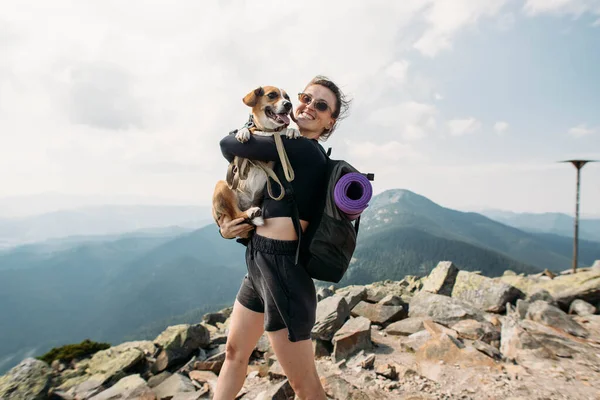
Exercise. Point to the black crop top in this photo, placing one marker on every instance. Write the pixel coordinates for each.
(307, 158)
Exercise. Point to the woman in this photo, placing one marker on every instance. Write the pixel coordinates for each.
(276, 295)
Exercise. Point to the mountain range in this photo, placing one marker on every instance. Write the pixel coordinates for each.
(111, 287)
(99, 220)
(557, 223)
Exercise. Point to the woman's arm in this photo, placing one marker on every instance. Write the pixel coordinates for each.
(261, 148)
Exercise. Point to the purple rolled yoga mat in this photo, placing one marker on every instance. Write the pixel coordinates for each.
(352, 194)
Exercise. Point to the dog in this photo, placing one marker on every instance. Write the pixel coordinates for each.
(270, 115)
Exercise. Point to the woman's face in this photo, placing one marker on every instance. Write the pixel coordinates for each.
(311, 119)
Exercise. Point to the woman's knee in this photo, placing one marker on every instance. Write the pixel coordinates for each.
(237, 353)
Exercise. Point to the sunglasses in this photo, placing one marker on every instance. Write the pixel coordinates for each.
(320, 105)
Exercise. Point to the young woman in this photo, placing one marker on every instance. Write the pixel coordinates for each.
(276, 295)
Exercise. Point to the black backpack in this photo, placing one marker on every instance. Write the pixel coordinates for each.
(327, 246)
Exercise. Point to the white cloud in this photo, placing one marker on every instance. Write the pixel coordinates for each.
(500, 127)
(573, 7)
(385, 152)
(398, 70)
(131, 98)
(447, 18)
(581, 130)
(460, 127)
(410, 119)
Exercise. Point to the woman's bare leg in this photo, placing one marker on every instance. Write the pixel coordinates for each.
(298, 362)
(245, 328)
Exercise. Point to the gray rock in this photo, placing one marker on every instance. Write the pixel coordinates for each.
(522, 307)
(131, 387)
(213, 318)
(263, 345)
(391, 300)
(581, 308)
(516, 343)
(29, 380)
(484, 293)
(441, 279)
(324, 293)
(544, 295)
(116, 362)
(353, 336)
(355, 296)
(176, 383)
(416, 340)
(477, 330)
(442, 309)
(547, 314)
(375, 294)
(156, 380)
(406, 326)
(337, 387)
(177, 343)
(487, 349)
(332, 312)
(90, 387)
(379, 314)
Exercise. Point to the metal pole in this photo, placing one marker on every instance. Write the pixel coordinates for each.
(578, 164)
(576, 236)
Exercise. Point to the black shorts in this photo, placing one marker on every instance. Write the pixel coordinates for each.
(277, 287)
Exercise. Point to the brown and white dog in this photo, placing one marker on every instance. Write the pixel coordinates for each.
(271, 110)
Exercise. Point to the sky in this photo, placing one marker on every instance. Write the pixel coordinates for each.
(470, 103)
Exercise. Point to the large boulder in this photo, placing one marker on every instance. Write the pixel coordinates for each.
(177, 343)
(337, 387)
(581, 308)
(547, 314)
(477, 330)
(441, 279)
(451, 351)
(516, 344)
(584, 285)
(115, 362)
(406, 326)
(353, 336)
(332, 312)
(378, 313)
(132, 387)
(173, 386)
(29, 380)
(484, 293)
(442, 309)
(353, 295)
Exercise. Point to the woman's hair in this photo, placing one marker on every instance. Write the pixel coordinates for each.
(342, 103)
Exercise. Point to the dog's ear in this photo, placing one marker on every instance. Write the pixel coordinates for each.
(251, 98)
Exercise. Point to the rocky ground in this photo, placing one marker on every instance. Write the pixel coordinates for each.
(450, 335)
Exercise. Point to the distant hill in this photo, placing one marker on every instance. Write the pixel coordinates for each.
(405, 233)
(106, 290)
(556, 223)
(99, 220)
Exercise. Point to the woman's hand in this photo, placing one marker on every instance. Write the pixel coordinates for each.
(234, 228)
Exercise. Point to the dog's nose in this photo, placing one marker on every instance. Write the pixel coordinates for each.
(287, 105)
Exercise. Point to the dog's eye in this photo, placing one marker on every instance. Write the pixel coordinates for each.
(272, 95)
(285, 96)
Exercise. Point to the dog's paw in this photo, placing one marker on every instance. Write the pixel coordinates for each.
(243, 135)
(258, 221)
(292, 133)
(253, 212)
(255, 216)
